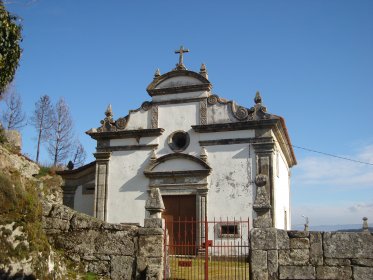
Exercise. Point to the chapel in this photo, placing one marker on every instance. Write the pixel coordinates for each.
(203, 152)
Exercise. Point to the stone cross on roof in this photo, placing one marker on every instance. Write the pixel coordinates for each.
(181, 51)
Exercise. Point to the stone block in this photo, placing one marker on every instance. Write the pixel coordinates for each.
(55, 223)
(347, 245)
(153, 223)
(362, 262)
(114, 243)
(316, 251)
(122, 268)
(283, 241)
(61, 212)
(77, 242)
(337, 262)
(258, 260)
(333, 272)
(154, 273)
(294, 257)
(151, 246)
(150, 231)
(263, 239)
(297, 272)
(299, 243)
(362, 273)
(101, 268)
(82, 221)
(259, 275)
(272, 264)
(298, 234)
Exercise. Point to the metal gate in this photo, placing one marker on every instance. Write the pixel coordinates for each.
(206, 249)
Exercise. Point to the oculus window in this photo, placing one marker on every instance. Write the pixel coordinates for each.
(178, 141)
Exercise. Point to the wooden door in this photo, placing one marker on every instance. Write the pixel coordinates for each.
(180, 217)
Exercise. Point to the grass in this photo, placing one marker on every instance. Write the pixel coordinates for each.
(232, 268)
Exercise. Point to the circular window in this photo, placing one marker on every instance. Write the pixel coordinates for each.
(178, 141)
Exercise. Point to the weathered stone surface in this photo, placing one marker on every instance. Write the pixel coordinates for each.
(362, 262)
(153, 223)
(82, 221)
(362, 273)
(259, 275)
(333, 272)
(114, 243)
(61, 212)
(337, 262)
(297, 272)
(151, 246)
(299, 243)
(10, 161)
(122, 268)
(263, 220)
(293, 257)
(316, 251)
(258, 260)
(298, 234)
(272, 264)
(47, 207)
(78, 242)
(154, 273)
(348, 245)
(283, 241)
(150, 231)
(263, 239)
(55, 223)
(99, 267)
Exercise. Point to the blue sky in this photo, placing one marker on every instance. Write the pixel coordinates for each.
(311, 60)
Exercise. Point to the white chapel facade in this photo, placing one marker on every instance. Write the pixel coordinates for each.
(202, 152)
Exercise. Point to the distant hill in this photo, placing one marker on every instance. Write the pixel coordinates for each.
(340, 228)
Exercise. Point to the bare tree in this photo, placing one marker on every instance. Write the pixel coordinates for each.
(42, 120)
(79, 155)
(13, 117)
(61, 140)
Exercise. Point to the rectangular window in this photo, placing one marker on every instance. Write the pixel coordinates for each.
(229, 230)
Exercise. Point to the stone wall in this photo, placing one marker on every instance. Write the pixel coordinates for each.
(115, 251)
(279, 254)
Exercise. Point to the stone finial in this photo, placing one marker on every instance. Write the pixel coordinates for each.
(203, 71)
(258, 98)
(109, 111)
(157, 73)
(365, 224)
(154, 204)
(203, 155)
(306, 225)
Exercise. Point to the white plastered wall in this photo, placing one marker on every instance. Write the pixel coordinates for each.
(83, 202)
(281, 190)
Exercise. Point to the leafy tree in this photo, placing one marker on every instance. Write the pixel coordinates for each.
(13, 117)
(10, 50)
(42, 120)
(60, 141)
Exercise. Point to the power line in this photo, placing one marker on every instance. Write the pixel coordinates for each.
(330, 155)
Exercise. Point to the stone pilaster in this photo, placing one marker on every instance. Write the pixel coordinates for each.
(264, 166)
(102, 173)
(262, 205)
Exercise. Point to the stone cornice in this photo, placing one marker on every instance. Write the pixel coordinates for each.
(182, 173)
(153, 91)
(232, 141)
(138, 133)
(127, 148)
(277, 124)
